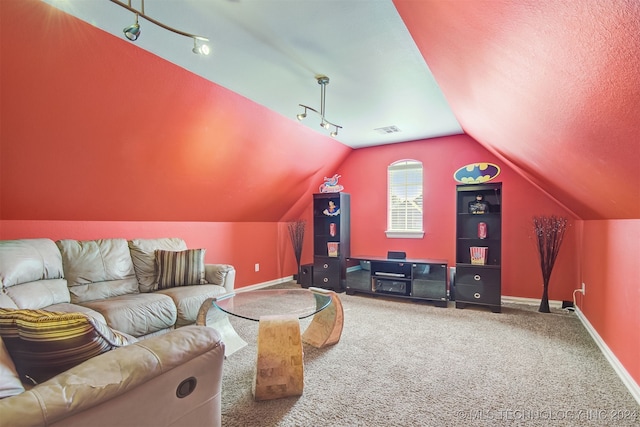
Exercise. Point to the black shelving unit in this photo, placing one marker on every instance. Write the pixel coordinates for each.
(331, 240)
(478, 225)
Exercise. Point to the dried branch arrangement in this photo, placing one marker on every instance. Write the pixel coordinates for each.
(296, 233)
(549, 231)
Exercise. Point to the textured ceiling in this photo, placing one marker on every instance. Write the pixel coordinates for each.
(551, 87)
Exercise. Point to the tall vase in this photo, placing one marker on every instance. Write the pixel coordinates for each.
(549, 232)
(544, 303)
(296, 233)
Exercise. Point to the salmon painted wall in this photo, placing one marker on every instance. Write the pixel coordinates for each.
(611, 273)
(91, 147)
(364, 175)
(551, 86)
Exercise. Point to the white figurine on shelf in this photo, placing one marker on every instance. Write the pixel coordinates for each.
(332, 210)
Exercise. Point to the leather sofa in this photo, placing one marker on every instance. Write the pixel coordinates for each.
(149, 292)
(112, 280)
(174, 379)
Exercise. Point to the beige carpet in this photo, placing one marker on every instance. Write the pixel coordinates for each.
(412, 364)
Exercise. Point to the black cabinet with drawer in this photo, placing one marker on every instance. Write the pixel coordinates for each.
(478, 245)
(331, 240)
(327, 273)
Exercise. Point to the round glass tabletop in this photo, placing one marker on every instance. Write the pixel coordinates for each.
(252, 305)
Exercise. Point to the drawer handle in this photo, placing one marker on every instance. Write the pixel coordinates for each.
(476, 295)
(325, 280)
(476, 277)
(326, 266)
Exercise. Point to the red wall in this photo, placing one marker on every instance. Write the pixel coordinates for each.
(610, 271)
(364, 174)
(549, 85)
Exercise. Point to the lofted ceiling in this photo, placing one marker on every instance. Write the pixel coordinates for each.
(380, 91)
(550, 87)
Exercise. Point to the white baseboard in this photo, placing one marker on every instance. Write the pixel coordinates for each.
(624, 375)
(531, 301)
(265, 284)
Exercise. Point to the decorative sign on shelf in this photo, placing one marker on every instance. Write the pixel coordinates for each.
(477, 173)
(330, 185)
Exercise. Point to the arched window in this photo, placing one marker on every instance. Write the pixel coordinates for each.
(404, 199)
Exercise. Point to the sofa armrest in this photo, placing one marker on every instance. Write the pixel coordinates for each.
(132, 385)
(220, 274)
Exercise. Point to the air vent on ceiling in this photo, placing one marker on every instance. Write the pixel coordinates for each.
(387, 129)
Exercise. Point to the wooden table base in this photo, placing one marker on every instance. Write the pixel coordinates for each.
(280, 366)
(280, 362)
(326, 327)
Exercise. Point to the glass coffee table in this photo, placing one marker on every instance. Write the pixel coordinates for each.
(280, 365)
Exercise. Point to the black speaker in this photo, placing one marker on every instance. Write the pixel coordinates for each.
(396, 255)
(306, 275)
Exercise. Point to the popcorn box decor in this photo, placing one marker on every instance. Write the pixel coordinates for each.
(479, 255)
(332, 249)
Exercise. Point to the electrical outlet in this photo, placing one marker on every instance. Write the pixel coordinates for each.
(584, 289)
(258, 268)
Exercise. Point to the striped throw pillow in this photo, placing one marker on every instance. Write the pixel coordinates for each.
(43, 343)
(180, 268)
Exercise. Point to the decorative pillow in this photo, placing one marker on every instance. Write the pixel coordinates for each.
(180, 268)
(143, 255)
(10, 383)
(43, 343)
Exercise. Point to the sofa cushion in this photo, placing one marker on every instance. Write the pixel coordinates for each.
(40, 294)
(144, 258)
(97, 269)
(180, 268)
(43, 344)
(137, 314)
(28, 260)
(189, 299)
(31, 273)
(76, 308)
(10, 383)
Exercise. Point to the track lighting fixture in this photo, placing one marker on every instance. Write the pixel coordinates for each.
(200, 49)
(132, 32)
(323, 81)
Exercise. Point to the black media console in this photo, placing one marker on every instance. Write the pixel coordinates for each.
(417, 279)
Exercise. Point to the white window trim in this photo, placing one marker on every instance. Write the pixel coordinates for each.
(404, 234)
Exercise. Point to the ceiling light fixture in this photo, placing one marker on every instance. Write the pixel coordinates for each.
(323, 81)
(132, 32)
